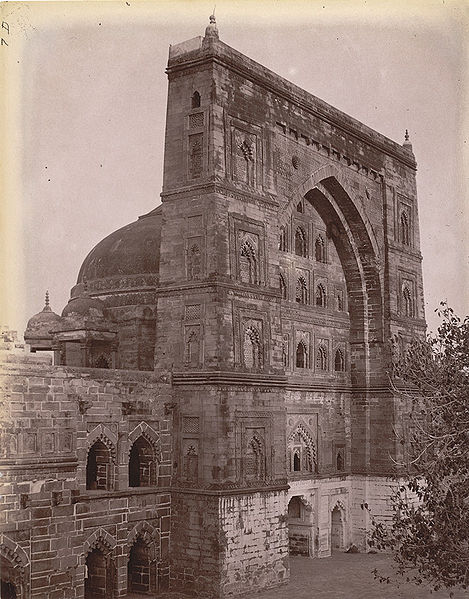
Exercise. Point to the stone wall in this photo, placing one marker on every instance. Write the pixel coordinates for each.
(254, 533)
(50, 521)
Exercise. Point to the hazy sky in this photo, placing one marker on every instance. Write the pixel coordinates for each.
(86, 105)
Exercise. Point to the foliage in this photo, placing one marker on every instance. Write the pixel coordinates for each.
(429, 532)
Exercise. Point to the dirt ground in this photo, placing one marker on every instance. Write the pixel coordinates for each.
(348, 576)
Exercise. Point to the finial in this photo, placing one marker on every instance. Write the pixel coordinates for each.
(407, 144)
(85, 286)
(47, 299)
(212, 29)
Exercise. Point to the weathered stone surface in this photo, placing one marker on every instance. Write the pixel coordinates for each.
(247, 413)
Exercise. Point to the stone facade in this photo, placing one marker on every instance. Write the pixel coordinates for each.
(221, 367)
(52, 518)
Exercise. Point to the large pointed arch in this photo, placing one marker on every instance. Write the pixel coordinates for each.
(334, 179)
(328, 191)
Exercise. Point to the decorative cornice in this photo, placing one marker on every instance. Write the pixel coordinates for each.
(268, 382)
(128, 492)
(336, 388)
(23, 464)
(223, 188)
(406, 250)
(229, 491)
(416, 323)
(308, 315)
(218, 377)
(109, 285)
(233, 286)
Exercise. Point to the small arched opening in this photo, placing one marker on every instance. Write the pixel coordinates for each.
(299, 528)
(404, 229)
(102, 362)
(282, 243)
(99, 468)
(408, 303)
(283, 286)
(301, 452)
(321, 358)
(194, 262)
(340, 461)
(142, 464)
(320, 249)
(195, 100)
(100, 575)
(251, 348)
(301, 295)
(300, 243)
(9, 580)
(248, 264)
(301, 355)
(337, 529)
(339, 361)
(141, 576)
(320, 296)
(340, 301)
(192, 350)
(254, 462)
(296, 461)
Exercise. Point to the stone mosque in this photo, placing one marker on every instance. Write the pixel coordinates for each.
(219, 397)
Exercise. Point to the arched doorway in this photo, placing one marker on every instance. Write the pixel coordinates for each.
(141, 576)
(9, 580)
(337, 529)
(99, 575)
(299, 528)
(8, 590)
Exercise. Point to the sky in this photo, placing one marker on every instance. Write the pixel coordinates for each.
(85, 105)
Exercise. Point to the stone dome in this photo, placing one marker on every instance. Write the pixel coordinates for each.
(43, 321)
(131, 250)
(38, 330)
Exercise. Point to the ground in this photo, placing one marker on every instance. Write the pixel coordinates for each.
(344, 576)
(348, 576)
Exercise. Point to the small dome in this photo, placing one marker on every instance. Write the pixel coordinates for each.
(43, 320)
(38, 330)
(45, 317)
(131, 250)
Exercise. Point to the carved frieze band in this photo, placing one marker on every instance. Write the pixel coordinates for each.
(130, 282)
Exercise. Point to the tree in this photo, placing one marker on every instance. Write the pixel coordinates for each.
(429, 532)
